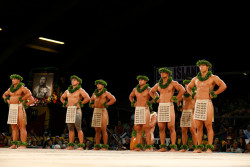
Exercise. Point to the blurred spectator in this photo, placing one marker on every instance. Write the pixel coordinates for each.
(57, 141)
(49, 144)
(119, 129)
(241, 143)
(218, 144)
(247, 150)
(241, 134)
(234, 148)
(247, 132)
(127, 143)
(227, 144)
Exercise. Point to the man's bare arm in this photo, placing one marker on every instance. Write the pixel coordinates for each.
(221, 84)
(191, 85)
(63, 97)
(6, 94)
(153, 92)
(27, 93)
(111, 98)
(181, 90)
(85, 96)
(132, 95)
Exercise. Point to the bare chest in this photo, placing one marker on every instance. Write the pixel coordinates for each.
(76, 94)
(19, 92)
(169, 89)
(205, 84)
(143, 94)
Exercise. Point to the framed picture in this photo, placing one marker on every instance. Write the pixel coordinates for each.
(42, 85)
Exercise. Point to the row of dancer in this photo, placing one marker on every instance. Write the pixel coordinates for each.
(19, 98)
(194, 101)
(196, 105)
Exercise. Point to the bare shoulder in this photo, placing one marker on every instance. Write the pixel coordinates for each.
(215, 77)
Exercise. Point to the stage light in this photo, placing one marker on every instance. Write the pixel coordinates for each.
(245, 74)
(51, 40)
(1, 29)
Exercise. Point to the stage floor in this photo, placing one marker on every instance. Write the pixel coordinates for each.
(89, 158)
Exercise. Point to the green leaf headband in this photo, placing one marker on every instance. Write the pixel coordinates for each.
(101, 82)
(16, 76)
(165, 70)
(204, 62)
(142, 77)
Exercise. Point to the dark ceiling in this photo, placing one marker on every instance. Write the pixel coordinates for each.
(131, 37)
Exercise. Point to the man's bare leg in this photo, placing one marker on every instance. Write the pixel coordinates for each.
(184, 136)
(171, 127)
(162, 128)
(146, 128)
(15, 135)
(209, 126)
(104, 129)
(199, 125)
(78, 127)
(22, 126)
(194, 135)
(71, 135)
(138, 136)
(97, 137)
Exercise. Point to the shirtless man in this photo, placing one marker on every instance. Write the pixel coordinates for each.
(205, 82)
(188, 109)
(20, 96)
(100, 100)
(166, 87)
(141, 104)
(75, 94)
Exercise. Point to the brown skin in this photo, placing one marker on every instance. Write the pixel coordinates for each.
(203, 92)
(165, 97)
(21, 123)
(73, 100)
(188, 104)
(141, 101)
(98, 103)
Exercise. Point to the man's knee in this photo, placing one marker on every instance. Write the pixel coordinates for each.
(70, 127)
(209, 126)
(184, 130)
(162, 127)
(98, 130)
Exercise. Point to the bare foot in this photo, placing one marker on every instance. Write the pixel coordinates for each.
(209, 151)
(13, 147)
(70, 148)
(22, 147)
(182, 150)
(79, 148)
(172, 150)
(104, 149)
(199, 151)
(162, 150)
(137, 149)
(148, 150)
(195, 151)
(95, 148)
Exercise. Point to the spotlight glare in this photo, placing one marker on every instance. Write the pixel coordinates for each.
(51, 40)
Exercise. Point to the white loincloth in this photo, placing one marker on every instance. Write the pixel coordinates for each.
(140, 115)
(71, 114)
(200, 110)
(13, 114)
(97, 117)
(186, 118)
(164, 112)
